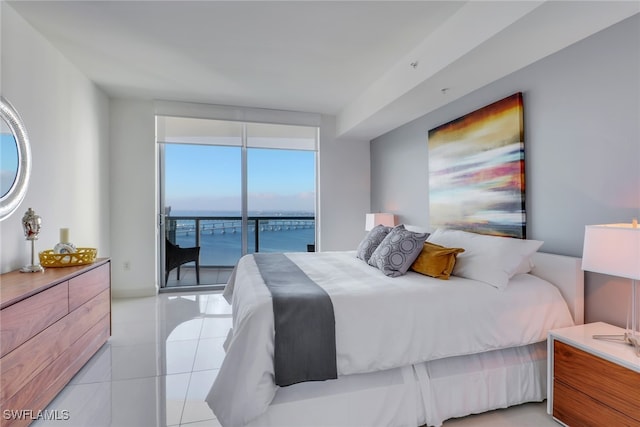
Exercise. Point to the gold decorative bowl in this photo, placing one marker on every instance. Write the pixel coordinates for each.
(82, 256)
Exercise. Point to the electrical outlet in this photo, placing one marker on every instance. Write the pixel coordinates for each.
(126, 265)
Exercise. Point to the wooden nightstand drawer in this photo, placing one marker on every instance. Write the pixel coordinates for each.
(609, 383)
(575, 408)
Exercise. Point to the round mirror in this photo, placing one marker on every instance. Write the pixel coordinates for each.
(15, 159)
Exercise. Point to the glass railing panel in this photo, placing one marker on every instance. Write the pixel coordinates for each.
(220, 241)
(286, 235)
(220, 238)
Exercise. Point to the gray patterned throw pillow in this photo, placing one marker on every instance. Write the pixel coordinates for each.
(397, 251)
(371, 241)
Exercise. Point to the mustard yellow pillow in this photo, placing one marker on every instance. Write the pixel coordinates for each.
(436, 261)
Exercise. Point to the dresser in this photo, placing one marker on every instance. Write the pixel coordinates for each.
(51, 323)
(592, 382)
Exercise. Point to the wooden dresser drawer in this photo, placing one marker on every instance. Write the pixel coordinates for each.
(51, 323)
(25, 319)
(33, 357)
(37, 392)
(83, 288)
(608, 383)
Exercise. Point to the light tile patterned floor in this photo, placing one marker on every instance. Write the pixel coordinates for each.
(162, 359)
(208, 276)
(157, 367)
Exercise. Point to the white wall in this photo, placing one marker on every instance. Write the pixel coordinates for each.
(66, 118)
(95, 166)
(582, 142)
(344, 189)
(133, 199)
(343, 195)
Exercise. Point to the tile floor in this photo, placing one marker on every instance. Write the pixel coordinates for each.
(157, 367)
(160, 362)
(208, 276)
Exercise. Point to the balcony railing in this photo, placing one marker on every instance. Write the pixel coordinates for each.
(220, 237)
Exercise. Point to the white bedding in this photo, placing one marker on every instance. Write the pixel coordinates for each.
(381, 323)
(426, 393)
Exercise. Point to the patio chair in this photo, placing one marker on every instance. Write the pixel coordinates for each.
(176, 256)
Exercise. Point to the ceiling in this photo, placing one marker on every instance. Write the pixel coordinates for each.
(375, 65)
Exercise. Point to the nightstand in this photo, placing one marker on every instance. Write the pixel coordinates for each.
(592, 382)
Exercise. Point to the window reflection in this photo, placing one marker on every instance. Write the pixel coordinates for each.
(8, 159)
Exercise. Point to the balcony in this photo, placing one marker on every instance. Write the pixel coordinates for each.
(220, 239)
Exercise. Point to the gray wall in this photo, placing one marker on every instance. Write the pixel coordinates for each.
(582, 142)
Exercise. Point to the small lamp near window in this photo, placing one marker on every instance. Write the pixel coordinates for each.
(614, 249)
(373, 219)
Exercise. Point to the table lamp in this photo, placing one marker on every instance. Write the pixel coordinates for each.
(373, 219)
(614, 249)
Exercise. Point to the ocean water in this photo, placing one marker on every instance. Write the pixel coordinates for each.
(221, 240)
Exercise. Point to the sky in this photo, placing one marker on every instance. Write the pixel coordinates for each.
(208, 178)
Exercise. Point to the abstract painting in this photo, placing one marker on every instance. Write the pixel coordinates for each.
(476, 171)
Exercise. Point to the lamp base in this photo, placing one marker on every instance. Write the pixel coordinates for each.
(32, 269)
(634, 340)
(628, 338)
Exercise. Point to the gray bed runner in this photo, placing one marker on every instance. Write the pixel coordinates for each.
(305, 337)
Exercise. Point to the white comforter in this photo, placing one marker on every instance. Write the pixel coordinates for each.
(381, 323)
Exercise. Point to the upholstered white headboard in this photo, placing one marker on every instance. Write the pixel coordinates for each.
(566, 273)
(563, 271)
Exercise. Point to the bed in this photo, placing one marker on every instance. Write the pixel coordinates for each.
(411, 350)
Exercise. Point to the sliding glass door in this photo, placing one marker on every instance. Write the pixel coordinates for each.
(202, 203)
(234, 188)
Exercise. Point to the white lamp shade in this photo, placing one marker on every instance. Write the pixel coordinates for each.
(612, 249)
(374, 219)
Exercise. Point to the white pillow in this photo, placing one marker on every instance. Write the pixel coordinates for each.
(525, 267)
(490, 259)
(417, 228)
